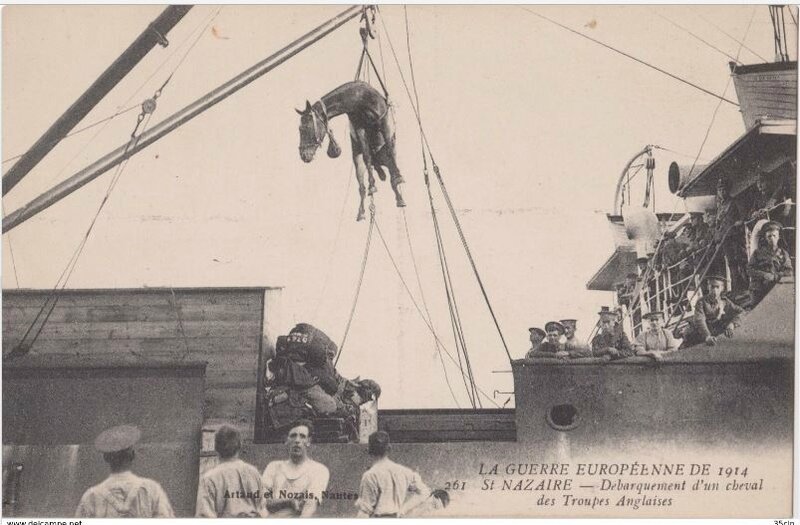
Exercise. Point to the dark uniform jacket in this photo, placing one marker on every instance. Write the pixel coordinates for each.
(545, 349)
(615, 339)
(767, 266)
(712, 318)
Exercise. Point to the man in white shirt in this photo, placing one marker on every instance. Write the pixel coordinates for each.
(232, 489)
(387, 486)
(294, 486)
(123, 494)
(656, 340)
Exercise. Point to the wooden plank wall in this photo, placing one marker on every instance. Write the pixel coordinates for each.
(222, 326)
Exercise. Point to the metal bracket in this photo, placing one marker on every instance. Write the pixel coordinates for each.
(161, 39)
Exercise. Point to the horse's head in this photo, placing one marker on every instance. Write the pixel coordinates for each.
(313, 128)
(312, 132)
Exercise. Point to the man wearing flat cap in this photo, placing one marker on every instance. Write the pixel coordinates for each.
(123, 494)
(656, 340)
(769, 262)
(714, 315)
(572, 345)
(610, 340)
(536, 337)
(387, 486)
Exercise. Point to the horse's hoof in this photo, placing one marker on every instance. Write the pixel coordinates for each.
(401, 203)
(360, 217)
(372, 190)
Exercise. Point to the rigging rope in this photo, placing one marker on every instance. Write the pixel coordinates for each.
(118, 113)
(13, 262)
(425, 306)
(442, 186)
(421, 314)
(712, 46)
(671, 75)
(23, 346)
(732, 37)
(455, 318)
(177, 309)
(425, 169)
(148, 107)
(727, 85)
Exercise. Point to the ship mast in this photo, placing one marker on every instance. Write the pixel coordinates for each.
(155, 33)
(176, 120)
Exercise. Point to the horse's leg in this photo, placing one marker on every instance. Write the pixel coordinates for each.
(388, 159)
(361, 133)
(358, 162)
(388, 156)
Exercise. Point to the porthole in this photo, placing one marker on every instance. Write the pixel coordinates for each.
(563, 417)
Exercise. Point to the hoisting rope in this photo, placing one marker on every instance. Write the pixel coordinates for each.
(651, 66)
(360, 279)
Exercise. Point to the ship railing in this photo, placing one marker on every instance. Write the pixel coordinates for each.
(658, 290)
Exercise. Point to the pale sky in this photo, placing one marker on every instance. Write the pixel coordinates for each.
(531, 126)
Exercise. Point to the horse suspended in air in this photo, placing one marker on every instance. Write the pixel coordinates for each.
(371, 135)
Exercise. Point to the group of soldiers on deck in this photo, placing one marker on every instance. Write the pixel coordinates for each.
(764, 209)
(715, 316)
(610, 342)
(288, 488)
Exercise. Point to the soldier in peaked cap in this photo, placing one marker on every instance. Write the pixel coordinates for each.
(552, 345)
(610, 340)
(769, 262)
(714, 315)
(536, 337)
(123, 494)
(654, 341)
(573, 346)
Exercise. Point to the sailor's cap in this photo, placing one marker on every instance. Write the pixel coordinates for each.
(554, 326)
(536, 330)
(716, 278)
(569, 322)
(771, 225)
(117, 438)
